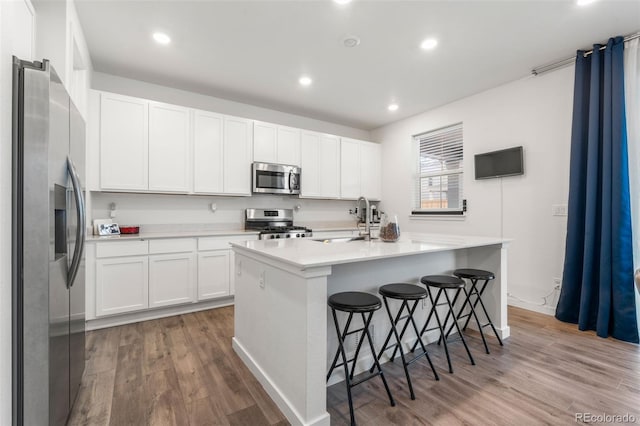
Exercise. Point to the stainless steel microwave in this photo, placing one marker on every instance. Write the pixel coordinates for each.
(276, 178)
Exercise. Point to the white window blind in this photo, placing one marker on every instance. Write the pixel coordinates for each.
(440, 171)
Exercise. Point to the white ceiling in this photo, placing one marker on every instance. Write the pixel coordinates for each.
(255, 51)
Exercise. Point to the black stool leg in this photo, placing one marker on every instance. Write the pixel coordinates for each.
(373, 352)
(424, 349)
(344, 335)
(398, 340)
(467, 300)
(345, 364)
(459, 332)
(426, 324)
(386, 341)
(450, 313)
(435, 311)
(486, 314)
(355, 357)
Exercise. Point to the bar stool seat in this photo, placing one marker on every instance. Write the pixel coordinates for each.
(403, 291)
(474, 276)
(443, 283)
(406, 293)
(365, 304)
(474, 273)
(354, 301)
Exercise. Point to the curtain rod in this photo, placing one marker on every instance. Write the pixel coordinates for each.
(568, 61)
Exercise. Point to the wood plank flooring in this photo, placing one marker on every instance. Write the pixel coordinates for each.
(182, 371)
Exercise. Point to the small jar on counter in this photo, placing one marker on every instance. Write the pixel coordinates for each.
(389, 228)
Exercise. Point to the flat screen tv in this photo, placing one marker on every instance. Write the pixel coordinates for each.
(506, 162)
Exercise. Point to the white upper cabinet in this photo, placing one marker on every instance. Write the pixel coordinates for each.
(276, 144)
(370, 170)
(237, 156)
(350, 168)
(169, 148)
(288, 146)
(208, 141)
(360, 169)
(320, 155)
(265, 145)
(124, 142)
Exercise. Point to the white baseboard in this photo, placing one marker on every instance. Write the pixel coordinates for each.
(274, 392)
(547, 310)
(151, 314)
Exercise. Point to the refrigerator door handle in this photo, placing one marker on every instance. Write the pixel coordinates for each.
(81, 230)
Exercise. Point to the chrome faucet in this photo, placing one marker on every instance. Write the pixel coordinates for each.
(367, 219)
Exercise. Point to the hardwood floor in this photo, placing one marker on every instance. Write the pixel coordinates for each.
(182, 371)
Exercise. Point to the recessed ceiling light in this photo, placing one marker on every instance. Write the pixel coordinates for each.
(342, 1)
(351, 40)
(305, 81)
(584, 2)
(393, 107)
(161, 38)
(429, 43)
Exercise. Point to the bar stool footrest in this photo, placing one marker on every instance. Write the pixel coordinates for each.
(364, 379)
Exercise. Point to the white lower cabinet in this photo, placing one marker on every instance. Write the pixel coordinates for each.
(171, 279)
(138, 275)
(122, 285)
(214, 274)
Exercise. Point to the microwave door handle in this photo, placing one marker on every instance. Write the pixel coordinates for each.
(290, 183)
(81, 229)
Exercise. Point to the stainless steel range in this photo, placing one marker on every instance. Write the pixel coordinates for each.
(274, 223)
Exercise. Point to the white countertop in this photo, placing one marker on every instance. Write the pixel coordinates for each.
(306, 253)
(177, 234)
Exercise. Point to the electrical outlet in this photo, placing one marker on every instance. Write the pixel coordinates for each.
(557, 283)
(559, 210)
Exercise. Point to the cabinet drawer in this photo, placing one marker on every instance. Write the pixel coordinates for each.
(121, 248)
(219, 243)
(172, 245)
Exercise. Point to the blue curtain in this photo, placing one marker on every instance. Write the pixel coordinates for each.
(597, 284)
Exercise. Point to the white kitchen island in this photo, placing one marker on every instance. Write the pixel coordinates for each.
(283, 330)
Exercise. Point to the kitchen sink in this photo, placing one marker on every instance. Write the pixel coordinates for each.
(340, 240)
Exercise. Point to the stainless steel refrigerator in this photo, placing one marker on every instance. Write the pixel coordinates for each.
(49, 232)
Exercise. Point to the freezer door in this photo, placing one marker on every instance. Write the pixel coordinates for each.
(31, 216)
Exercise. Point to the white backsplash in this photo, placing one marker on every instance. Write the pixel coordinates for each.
(195, 210)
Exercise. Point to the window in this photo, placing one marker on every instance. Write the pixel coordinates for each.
(440, 171)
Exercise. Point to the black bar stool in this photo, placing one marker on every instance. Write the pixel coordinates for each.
(365, 304)
(406, 293)
(474, 276)
(444, 283)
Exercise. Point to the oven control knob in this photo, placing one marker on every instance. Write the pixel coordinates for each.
(302, 235)
(288, 235)
(297, 235)
(272, 236)
(278, 236)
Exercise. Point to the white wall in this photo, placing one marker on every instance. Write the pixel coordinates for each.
(126, 86)
(17, 37)
(534, 112)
